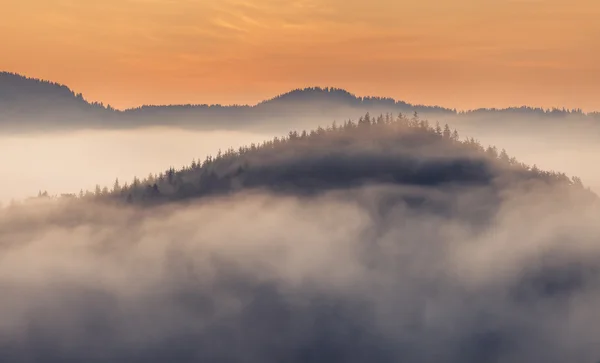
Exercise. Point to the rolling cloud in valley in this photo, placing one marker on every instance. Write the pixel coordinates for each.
(299, 181)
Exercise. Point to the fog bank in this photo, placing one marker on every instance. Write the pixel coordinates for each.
(343, 276)
(68, 162)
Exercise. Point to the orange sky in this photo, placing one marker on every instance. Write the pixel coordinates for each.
(457, 53)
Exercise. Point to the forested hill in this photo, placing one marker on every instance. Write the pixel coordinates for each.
(383, 150)
(32, 104)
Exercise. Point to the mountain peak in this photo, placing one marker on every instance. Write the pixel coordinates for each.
(14, 86)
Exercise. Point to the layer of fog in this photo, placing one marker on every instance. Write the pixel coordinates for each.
(67, 162)
(333, 278)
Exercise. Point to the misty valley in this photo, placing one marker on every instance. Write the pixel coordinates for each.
(318, 227)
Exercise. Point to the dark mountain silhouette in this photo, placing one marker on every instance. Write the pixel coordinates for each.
(32, 104)
(28, 103)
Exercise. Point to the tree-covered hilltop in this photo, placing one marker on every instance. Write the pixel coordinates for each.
(385, 149)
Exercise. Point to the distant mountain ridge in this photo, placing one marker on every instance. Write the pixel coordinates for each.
(29, 103)
(14, 87)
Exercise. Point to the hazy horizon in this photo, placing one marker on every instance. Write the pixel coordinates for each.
(461, 53)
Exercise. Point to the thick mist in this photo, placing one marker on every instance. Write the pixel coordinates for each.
(66, 162)
(343, 276)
